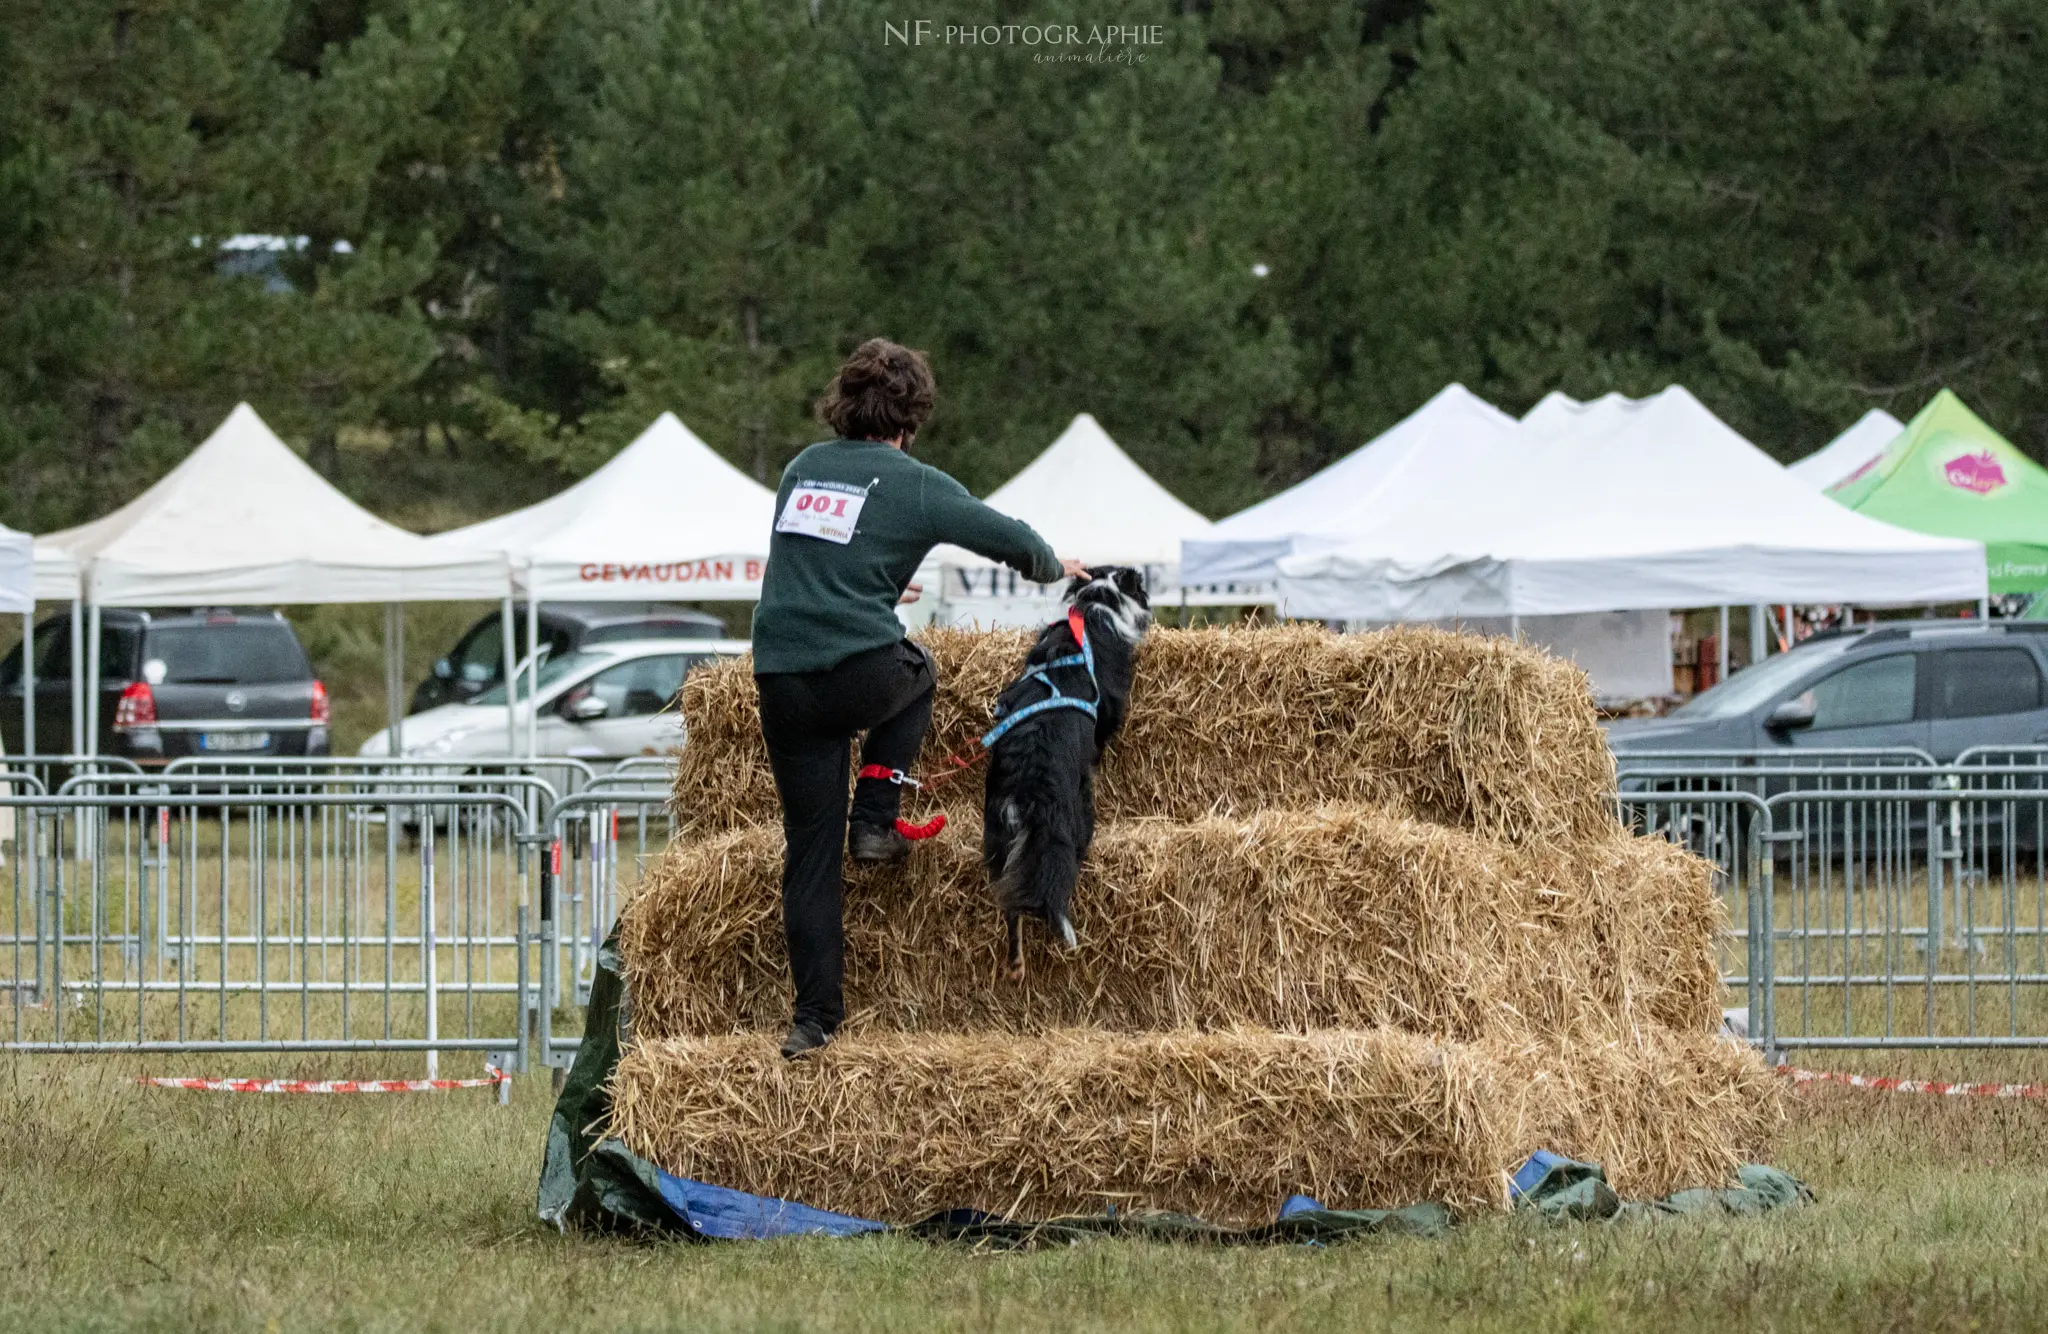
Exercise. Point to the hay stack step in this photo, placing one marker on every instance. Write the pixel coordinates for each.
(1469, 732)
(1339, 917)
(1224, 1125)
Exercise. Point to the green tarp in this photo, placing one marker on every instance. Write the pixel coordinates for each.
(1951, 475)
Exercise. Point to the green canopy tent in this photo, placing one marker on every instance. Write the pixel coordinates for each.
(1951, 475)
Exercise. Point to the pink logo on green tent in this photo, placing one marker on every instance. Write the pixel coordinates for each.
(1977, 473)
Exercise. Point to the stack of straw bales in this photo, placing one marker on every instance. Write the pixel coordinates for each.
(1358, 922)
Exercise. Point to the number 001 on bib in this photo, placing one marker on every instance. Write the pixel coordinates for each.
(827, 510)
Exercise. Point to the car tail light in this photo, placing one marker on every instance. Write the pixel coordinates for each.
(137, 707)
(320, 710)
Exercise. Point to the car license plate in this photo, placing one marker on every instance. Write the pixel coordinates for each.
(234, 740)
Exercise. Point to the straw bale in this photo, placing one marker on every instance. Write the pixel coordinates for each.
(1461, 730)
(1224, 1125)
(1337, 917)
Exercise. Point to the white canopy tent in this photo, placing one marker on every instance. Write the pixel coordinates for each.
(17, 572)
(1655, 503)
(1451, 443)
(1454, 436)
(665, 518)
(244, 521)
(1094, 504)
(1849, 451)
(57, 576)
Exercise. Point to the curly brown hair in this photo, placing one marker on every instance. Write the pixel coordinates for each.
(882, 391)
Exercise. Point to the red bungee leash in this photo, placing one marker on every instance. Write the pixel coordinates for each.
(916, 833)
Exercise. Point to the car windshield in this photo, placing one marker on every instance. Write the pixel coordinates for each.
(1753, 686)
(552, 673)
(236, 653)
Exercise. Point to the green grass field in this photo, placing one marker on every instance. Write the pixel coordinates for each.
(132, 1208)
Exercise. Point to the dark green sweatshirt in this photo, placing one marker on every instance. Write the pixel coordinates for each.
(853, 521)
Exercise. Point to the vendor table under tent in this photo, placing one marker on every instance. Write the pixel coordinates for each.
(665, 517)
(244, 521)
(1848, 452)
(1626, 505)
(1094, 504)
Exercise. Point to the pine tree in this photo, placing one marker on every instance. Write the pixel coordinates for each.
(134, 140)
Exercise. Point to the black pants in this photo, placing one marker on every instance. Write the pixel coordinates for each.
(808, 720)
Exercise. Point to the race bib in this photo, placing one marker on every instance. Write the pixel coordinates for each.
(827, 510)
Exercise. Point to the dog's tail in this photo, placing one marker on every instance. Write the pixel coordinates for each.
(1038, 880)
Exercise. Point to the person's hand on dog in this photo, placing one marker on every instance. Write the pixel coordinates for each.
(1073, 569)
(911, 593)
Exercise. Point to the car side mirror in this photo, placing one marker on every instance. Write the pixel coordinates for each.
(1794, 714)
(584, 708)
(443, 669)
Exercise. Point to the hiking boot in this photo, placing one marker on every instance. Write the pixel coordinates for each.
(804, 1038)
(876, 843)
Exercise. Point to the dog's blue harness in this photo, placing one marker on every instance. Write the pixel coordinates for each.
(1056, 700)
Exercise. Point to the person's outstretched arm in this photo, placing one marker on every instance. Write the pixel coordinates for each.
(954, 516)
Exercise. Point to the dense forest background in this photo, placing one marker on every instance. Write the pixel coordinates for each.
(533, 224)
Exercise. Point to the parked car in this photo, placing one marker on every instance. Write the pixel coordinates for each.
(1938, 686)
(604, 701)
(477, 662)
(176, 683)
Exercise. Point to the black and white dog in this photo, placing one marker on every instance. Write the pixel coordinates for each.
(1039, 814)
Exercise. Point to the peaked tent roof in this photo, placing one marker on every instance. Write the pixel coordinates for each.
(1453, 433)
(1658, 503)
(665, 517)
(1949, 473)
(1556, 415)
(1848, 451)
(243, 520)
(1093, 503)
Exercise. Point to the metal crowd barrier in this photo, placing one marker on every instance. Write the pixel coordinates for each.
(1893, 905)
(1873, 899)
(207, 920)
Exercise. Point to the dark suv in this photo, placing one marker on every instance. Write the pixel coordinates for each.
(227, 683)
(1937, 686)
(476, 663)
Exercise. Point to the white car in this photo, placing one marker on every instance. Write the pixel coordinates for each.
(603, 702)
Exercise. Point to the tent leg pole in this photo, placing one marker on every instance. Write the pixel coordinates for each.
(394, 675)
(1984, 609)
(1757, 632)
(532, 675)
(28, 681)
(509, 655)
(92, 681)
(77, 746)
(1515, 628)
(1721, 648)
(1788, 627)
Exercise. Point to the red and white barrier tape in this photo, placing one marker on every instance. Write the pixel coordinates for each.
(495, 1079)
(1934, 1086)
